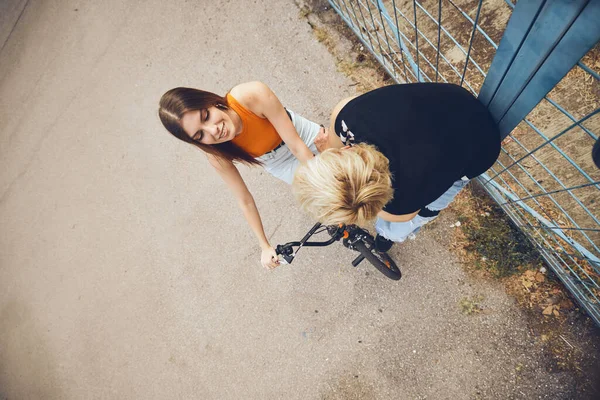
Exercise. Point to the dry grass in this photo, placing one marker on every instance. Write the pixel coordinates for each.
(489, 245)
(352, 58)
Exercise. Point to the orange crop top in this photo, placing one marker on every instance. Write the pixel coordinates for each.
(258, 135)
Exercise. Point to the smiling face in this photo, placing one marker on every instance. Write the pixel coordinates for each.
(212, 125)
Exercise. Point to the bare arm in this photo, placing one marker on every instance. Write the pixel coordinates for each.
(230, 174)
(261, 100)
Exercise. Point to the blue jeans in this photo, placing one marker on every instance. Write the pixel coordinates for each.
(400, 231)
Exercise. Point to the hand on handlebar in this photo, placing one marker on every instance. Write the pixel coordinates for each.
(269, 258)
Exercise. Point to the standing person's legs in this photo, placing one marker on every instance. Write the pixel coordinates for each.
(282, 163)
(400, 231)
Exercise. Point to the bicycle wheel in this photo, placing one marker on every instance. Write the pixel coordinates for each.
(381, 261)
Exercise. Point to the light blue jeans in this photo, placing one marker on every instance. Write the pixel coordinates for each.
(400, 231)
(282, 163)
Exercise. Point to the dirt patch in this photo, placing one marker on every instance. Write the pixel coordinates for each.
(352, 57)
(349, 386)
(491, 247)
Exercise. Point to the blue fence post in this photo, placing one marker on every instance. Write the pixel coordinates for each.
(542, 42)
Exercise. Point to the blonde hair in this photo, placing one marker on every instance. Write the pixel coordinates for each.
(347, 186)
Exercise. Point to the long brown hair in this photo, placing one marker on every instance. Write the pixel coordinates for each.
(176, 102)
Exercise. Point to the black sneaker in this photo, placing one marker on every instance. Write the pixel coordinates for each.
(382, 244)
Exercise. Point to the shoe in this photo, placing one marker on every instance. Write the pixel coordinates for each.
(382, 244)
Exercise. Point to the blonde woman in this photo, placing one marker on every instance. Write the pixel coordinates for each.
(400, 154)
(248, 125)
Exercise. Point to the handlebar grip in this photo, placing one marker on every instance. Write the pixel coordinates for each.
(285, 252)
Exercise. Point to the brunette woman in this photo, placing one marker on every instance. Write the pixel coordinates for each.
(249, 126)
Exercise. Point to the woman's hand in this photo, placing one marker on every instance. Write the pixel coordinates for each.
(322, 140)
(269, 258)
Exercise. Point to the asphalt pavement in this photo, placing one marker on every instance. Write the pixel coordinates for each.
(127, 271)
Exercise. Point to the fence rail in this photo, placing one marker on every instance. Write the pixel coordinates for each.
(535, 66)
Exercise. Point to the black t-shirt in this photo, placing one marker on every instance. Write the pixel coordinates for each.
(432, 133)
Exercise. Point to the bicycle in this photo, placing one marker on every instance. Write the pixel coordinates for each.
(354, 238)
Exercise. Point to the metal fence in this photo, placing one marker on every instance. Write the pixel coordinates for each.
(534, 65)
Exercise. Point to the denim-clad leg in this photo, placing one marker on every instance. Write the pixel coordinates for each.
(400, 231)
